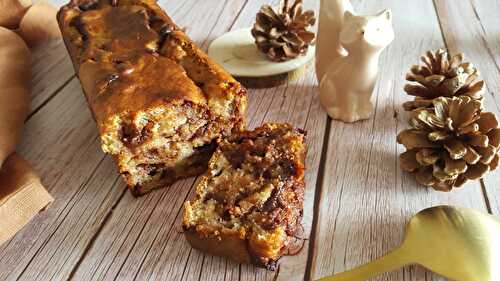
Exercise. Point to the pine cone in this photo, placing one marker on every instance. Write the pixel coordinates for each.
(450, 143)
(284, 35)
(442, 76)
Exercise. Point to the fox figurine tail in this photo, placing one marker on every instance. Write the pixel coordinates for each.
(347, 85)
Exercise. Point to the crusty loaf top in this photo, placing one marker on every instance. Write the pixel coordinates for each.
(130, 56)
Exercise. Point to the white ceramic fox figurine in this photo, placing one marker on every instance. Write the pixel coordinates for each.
(331, 15)
(347, 86)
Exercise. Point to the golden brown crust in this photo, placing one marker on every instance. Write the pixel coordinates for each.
(132, 75)
(230, 246)
(249, 205)
(140, 72)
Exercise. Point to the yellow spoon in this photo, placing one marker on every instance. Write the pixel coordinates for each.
(457, 243)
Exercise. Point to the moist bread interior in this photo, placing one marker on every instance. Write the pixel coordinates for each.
(253, 190)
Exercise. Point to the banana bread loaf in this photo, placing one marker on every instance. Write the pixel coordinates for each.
(159, 102)
(249, 205)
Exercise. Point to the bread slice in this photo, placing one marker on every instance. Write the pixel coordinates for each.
(159, 102)
(249, 205)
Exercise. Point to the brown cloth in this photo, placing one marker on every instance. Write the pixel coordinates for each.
(22, 196)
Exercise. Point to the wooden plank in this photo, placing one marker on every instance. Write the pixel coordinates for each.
(476, 35)
(366, 199)
(296, 103)
(288, 104)
(61, 233)
(161, 252)
(486, 14)
(62, 143)
(52, 70)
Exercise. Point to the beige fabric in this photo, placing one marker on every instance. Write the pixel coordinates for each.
(11, 12)
(22, 196)
(15, 73)
(39, 24)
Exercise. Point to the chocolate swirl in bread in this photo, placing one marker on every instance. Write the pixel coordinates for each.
(249, 205)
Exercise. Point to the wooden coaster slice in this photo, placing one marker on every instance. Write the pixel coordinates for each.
(237, 53)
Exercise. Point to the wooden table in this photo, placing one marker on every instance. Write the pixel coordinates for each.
(357, 200)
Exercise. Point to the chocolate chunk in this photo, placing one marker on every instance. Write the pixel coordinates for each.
(88, 5)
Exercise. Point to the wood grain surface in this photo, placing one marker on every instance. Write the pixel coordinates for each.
(357, 198)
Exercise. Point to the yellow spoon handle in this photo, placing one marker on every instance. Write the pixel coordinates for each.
(389, 262)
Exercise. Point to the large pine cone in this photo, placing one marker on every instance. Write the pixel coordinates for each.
(442, 76)
(283, 35)
(450, 143)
